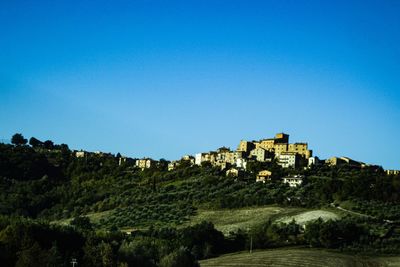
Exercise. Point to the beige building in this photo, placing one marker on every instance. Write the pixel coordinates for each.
(245, 146)
(202, 157)
(281, 138)
(241, 163)
(392, 172)
(266, 144)
(123, 160)
(259, 154)
(301, 149)
(337, 161)
(80, 154)
(280, 148)
(232, 172)
(144, 163)
(184, 160)
(188, 158)
(172, 165)
(263, 176)
(288, 160)
(293, 181)
(313, 161)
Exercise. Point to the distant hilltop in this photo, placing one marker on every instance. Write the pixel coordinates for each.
(276, 150)
(287, 155)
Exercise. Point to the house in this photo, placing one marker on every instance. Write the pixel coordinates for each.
(241, 163)
(264, 176)
(288, 160)
(337, 161)
(313, 161)
(172, 165)
(124, 160)
(232, 172)
(245, 147)
(201, 157)
(145, 163)
(188, 158)
(392, 172)
(293, 181)
(259, 154)
(301, 149)
(80, 154)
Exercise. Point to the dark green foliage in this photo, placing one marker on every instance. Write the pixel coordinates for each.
(48, 144)
(46, 182)
(203, 240)
(179, 258)
(18, 139)
(35, 142)
(25, 241)
(82, 223)
(334, 234)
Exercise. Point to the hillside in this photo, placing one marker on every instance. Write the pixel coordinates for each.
(298, 257)
(188, 214)
(231, 220)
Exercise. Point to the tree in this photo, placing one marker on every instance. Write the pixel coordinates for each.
(18, 139)
(107, 255)
(162, 165)
(35, 142)
(82, 223)
(179, 258)
(54, 256)
(48, 144)
(33, 256)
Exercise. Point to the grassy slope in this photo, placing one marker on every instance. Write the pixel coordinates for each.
(227, 220)
(94, 217)
(311, 215)
(298, 257)
(231, 220)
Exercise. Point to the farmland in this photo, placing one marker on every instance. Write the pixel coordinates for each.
(298, 257)
(230, 220)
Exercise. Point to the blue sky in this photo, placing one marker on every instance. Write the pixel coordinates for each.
(167, 78)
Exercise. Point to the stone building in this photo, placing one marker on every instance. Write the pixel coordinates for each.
(264, 176)
(145, 163)
(259, 154)
(293, 181)
(288, 160)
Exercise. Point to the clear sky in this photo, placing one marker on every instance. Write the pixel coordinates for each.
(168, 78)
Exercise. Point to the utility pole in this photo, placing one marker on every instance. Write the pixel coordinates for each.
(74, 262)
(251, 240)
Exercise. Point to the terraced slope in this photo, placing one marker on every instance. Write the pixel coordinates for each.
(307, 216)
(228, 220)
(298, 258)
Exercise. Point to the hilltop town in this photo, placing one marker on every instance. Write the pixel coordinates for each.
(120, 200)
(277, 149)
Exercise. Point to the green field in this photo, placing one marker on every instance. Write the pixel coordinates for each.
(227, 220)
(298, 257)
(94, 217)
(230, 220)
(304, 217)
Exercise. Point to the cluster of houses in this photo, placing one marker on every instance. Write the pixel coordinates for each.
(285, 154)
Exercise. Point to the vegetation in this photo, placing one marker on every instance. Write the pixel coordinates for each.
(166, 211)
(298, 257)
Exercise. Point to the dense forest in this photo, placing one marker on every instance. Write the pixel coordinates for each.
(42, 183)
